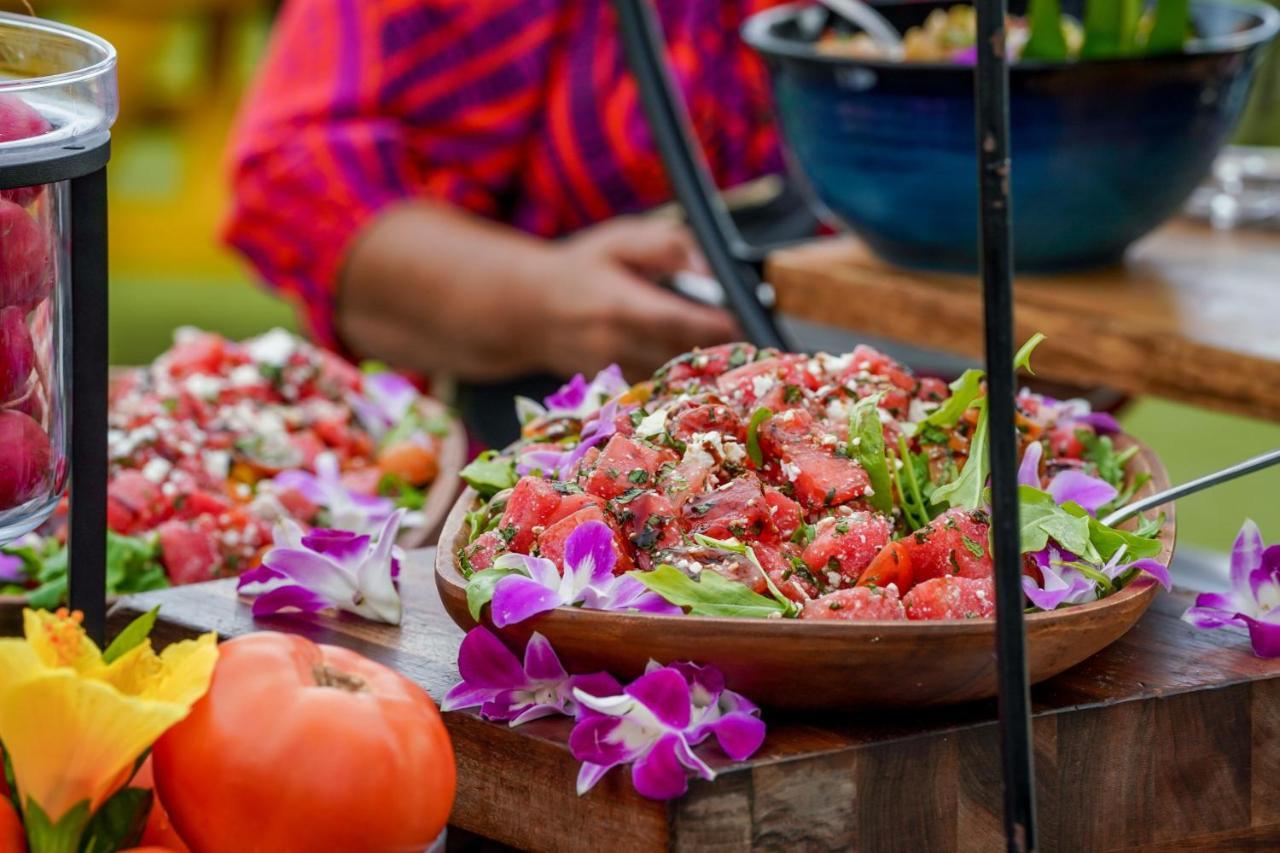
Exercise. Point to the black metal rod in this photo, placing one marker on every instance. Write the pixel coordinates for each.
(1199, 484)
(87, 555)
(996, 253)
(690, 179)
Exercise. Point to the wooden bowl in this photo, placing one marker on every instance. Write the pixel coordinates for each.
(823, 664)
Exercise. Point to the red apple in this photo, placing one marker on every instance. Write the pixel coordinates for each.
(25, 462)
(26, 258)
(17, 355)
(18, 120)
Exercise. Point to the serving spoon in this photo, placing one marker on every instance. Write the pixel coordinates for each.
(1240, 469)
(871, 21)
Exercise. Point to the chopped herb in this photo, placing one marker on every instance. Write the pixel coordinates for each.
(758, 417)
(791, 394)
(973, 547)
(639, 476)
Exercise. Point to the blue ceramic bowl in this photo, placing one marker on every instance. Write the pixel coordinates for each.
(1103, 151)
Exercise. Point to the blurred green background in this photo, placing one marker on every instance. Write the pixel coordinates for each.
(183, 67)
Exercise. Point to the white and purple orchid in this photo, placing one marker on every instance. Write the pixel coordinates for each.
(346, 509)
(1068, 580)
(1253, 601)
(496, 682)
(1079, 411)
(537, 585)
(386, 400)
(560, 464)
(308, 572)
(577, 398)
(655, 722)
(1089, 492)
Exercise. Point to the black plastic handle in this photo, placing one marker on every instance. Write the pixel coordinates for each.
(727, 253)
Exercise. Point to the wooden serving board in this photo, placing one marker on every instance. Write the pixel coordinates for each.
(1168, 739)
(1190, 314)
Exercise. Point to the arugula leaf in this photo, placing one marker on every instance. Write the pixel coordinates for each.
(1100, 450)
(480, 588)
(1108, 540)
(965, 390)
(133, 635)
(1023, 357)
(490, 473)
(866, 446)
(1044, 19)
(966, 490)
(1042, 519)
(710, 595)
(133, 565)
(733, 546)
(758, 417)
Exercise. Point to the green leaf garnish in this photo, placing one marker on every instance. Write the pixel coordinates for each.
(866, 446)
(965, 391)
(758, 417)
(490, 473)
(966, 490)
(710, 595)
(480, 588)
(1042, 519)
(133, 635)
(1023, 357)
(1046, 40)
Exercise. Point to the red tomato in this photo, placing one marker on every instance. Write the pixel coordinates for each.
(159, 833)
(304, 747)
(891, 566)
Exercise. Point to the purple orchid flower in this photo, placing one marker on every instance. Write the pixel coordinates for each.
(577, 398)
(560, 464)
(329, 568)
(1066, 486)
(12, 569)
(655, 722)
(1078, 411)
(504, 689)
(1254, 599)
(347, 510)
(1062, 583)
(386, 399)
(587, 581)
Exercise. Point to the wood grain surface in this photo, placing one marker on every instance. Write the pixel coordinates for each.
(1190, 315)
(1168, 739)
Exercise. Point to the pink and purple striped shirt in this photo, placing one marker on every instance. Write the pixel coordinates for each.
(522, 111)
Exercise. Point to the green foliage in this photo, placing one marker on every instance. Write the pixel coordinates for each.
(490, 473)
(710, 594)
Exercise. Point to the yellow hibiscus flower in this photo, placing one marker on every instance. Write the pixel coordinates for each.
(73, 724)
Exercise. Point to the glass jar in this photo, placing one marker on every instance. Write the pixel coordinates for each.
(57, 97)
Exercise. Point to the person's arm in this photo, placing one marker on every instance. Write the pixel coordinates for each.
(430, 287)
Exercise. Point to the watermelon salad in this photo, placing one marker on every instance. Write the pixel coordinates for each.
(745, 482)
(216, 440)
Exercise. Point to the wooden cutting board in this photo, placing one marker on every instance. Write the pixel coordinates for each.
(1168, 735)
(1190, 315)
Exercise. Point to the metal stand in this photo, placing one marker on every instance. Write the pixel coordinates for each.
(991, 90)
(84, 166)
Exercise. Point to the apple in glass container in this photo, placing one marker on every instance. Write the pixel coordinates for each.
(19, 120)
(25, 464)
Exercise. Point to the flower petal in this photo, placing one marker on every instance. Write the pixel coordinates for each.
(666, 694)
(303, 483)
(1029, 470)
(484, 661)
(342, 546)
(540, 661)
(589, 774)
(465, 695)
(12, 569)
(659, 774)
(1265, 636)
(1155, 568)
(595, 684)
(589, 554)
(517, 598)
(289, 596)
(1211, 617)
(1090, 492)
(1103, 423)
(596, 739)
(569, 397)
(1246, 555)
(739, 734)
(535, 712)
(313, 571)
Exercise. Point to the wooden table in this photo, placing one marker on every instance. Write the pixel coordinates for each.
(1191, 315)
(1170, 734)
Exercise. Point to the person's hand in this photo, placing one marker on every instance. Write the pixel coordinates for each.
(601, 303)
